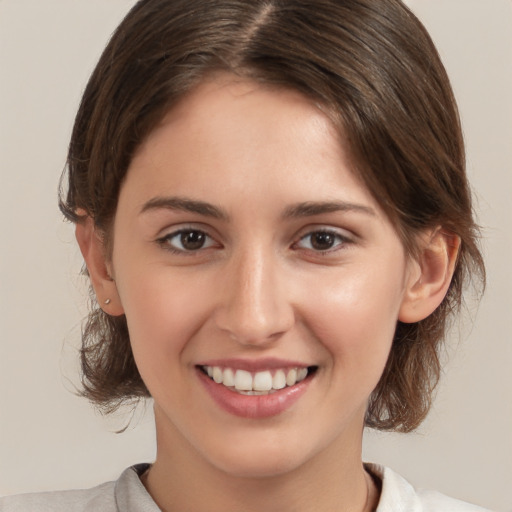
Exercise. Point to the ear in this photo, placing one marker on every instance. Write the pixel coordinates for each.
(430, 275)
(93, 250)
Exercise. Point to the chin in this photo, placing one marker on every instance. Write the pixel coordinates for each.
(261, 456)
(273, 465)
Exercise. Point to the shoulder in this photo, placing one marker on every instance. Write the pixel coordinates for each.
(100, 499)
(398, 495)
(127, 494)
(434, 501)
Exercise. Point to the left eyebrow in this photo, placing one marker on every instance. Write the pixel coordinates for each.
(309, 209)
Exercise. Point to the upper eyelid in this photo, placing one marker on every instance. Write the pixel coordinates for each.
(176, 232)
(341, 236)
(320, 228)
(346, 239)
(180, 228)
(165, 242)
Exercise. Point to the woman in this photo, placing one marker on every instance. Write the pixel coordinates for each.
(271, 202)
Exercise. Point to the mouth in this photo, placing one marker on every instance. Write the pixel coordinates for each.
(258, 383)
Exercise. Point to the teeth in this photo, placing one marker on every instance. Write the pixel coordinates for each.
(301, 374)
(279, 380)
(243, 380)
(291, 377)
(217, 375)
(229, 378)
(262, 381)
(259, 383)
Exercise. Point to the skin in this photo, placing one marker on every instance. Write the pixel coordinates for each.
(258, 288)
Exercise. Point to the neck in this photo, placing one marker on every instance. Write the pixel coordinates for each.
(180, 479)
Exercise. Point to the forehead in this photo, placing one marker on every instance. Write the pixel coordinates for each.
(228, 99)
(236, 121)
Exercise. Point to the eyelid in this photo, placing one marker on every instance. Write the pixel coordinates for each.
(344, 238)
(164, 239)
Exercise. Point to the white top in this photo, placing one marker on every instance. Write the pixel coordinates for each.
(129, 495)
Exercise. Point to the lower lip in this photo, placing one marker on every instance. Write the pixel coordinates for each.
(253, 406)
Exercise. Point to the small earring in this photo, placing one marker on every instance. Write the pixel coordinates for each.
(108, 301)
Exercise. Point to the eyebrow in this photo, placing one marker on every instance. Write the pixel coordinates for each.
(186, 205)
(299, 210)
(311, 208)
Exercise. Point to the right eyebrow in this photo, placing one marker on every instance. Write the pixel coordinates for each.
(184, 204)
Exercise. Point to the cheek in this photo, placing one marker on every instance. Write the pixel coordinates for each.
(163, 311)
(355, 317)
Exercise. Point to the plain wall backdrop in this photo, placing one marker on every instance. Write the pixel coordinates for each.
(50, 439)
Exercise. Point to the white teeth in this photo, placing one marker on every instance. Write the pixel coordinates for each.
(279, 380)
(291, 377)
(262, 381)
(229, 378)
(217, 375)
(243, 380)
(301, 374)
(259, 383)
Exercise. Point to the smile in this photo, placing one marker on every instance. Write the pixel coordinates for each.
(256, 389)
(257, 383)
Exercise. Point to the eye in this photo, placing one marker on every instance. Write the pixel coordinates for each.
(322, 241)
(187, 240)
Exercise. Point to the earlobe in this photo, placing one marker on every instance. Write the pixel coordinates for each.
(429, 276)
(93, 250)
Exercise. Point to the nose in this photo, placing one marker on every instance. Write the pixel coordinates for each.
(254, 307)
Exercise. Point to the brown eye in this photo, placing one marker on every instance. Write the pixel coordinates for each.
(192, 240)
(322, 241)
(187, 240)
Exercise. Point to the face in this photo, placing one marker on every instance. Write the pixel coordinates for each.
(260, 280)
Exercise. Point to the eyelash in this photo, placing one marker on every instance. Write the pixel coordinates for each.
(342, 240)
(165, 241)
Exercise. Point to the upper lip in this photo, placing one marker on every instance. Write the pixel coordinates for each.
(254, 365)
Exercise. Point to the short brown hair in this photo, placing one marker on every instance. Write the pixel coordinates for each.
(370, 64)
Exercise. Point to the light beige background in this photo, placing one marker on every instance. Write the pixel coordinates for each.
(50, 439)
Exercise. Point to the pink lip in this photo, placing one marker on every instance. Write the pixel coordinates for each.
(256, 365)
(253, 406)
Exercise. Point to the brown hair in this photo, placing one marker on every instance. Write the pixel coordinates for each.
(370, 64)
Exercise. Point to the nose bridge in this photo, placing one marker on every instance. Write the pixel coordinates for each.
(254, 307)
